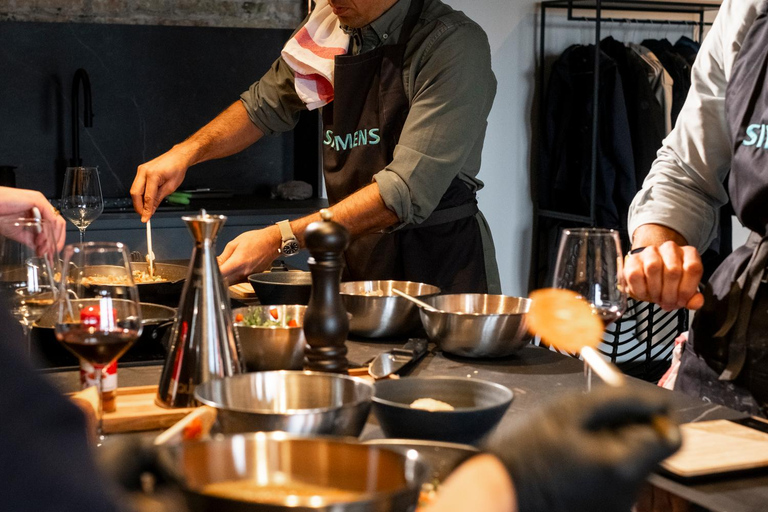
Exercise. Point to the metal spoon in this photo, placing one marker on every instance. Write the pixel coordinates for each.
(416, 301)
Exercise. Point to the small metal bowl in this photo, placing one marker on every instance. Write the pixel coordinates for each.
(377, 312)
(266, 348)
(477, 325)
(478, 407)
(378, 479)
(307, 403)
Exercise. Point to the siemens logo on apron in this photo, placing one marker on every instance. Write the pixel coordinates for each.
(757, 135)
(352, 140)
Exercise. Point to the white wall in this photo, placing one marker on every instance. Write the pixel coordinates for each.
(512, 28)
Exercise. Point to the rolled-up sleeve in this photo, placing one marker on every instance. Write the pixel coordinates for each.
(452, 95)
(272, 103)
(685, 188)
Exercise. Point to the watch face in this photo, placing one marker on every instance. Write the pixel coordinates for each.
(290, 247)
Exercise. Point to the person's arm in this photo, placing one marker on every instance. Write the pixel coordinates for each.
(674, 215)
(481, 483)
(451, 88)
(230, 132)
(253, 251)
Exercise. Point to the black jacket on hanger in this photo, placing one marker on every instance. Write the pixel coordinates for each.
(644, 113)
(567, 148)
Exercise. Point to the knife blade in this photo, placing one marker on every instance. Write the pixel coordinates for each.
(392, 361)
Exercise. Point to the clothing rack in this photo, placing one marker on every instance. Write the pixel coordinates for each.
(652, 330)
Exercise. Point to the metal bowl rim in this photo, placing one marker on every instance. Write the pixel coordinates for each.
(401, 441)
(356, 380)
(526, 300)
(400, 405)
(255, 277)
(389, 296)
(366, 497)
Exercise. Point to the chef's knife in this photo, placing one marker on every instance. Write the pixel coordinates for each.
(391, 361)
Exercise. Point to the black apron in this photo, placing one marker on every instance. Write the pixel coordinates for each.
(726, 360)
(361, 128)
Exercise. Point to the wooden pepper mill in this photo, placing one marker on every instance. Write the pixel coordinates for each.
(326, 324)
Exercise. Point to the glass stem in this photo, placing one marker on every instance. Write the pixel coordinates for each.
(82, 235)
(100, 412)
(27, 338)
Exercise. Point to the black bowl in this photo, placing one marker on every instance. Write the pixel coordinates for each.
(478, 407)
(285, 287)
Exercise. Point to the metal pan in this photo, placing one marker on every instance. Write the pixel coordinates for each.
(166, 293)
(155, 321)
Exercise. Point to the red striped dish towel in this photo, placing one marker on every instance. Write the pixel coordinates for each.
(310, 55)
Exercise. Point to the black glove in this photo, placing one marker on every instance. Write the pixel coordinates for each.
(590, 451)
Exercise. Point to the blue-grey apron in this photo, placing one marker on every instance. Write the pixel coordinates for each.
(361, 128)
(726, 359)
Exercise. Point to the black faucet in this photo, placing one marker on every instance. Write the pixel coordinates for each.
(81, 76)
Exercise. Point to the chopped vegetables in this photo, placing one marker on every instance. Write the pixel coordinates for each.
(256, 318)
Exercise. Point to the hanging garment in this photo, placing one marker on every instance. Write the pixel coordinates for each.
(445, 250)
(660, 81)
(678, 69)
(727, 359)
(644, 114)
(688, 49)
(567, 149)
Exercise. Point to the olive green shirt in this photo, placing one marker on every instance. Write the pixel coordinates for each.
(448, 79)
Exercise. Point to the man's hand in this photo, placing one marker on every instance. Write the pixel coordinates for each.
(589, 452)
(253, 251)
(16, 202)
(156, 179)
(666, 272)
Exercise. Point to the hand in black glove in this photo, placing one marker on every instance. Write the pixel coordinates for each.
(589, 452)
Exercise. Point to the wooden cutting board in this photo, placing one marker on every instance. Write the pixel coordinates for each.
(136, 410)
(719, 446)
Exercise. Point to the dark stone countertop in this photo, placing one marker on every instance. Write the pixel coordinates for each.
(536, 376)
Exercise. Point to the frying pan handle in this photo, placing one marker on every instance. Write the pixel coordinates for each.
(279, 266)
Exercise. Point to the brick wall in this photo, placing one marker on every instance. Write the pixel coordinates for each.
(203, 13)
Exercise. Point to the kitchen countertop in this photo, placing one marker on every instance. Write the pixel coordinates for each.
(535, 375)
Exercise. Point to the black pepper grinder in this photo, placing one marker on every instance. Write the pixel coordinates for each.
(326, 324)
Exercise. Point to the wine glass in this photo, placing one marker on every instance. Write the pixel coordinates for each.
(81, 199)
(99, 314)
(590, 263)
(28, 263)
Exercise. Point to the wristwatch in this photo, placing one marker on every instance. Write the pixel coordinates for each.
(289, 245)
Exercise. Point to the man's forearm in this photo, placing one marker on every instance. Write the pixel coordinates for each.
(362, 212)
(655, 234)
(228, 133)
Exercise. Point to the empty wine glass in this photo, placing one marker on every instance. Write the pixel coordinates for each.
(81, 199)
(99, 315)
(28, 263)
(590, 263)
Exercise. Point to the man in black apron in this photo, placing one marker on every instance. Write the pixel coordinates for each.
(726, 357)
(447, 249)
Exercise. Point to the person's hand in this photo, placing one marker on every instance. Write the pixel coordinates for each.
(667, 275)
(481, 483)
(156, 179)
(589, 452)
(253, 251)
(16, 202)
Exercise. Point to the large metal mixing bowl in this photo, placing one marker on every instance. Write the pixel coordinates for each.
(377, 312)
(477, 325)
(380, 480)
(296, 402)
(272, 347)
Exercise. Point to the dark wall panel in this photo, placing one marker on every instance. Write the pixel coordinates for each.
(152, 87)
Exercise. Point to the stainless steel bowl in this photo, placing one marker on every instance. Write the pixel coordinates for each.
(381, 480)
(477, 325)
(377, 312)
(296, 402)
(272, 347)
